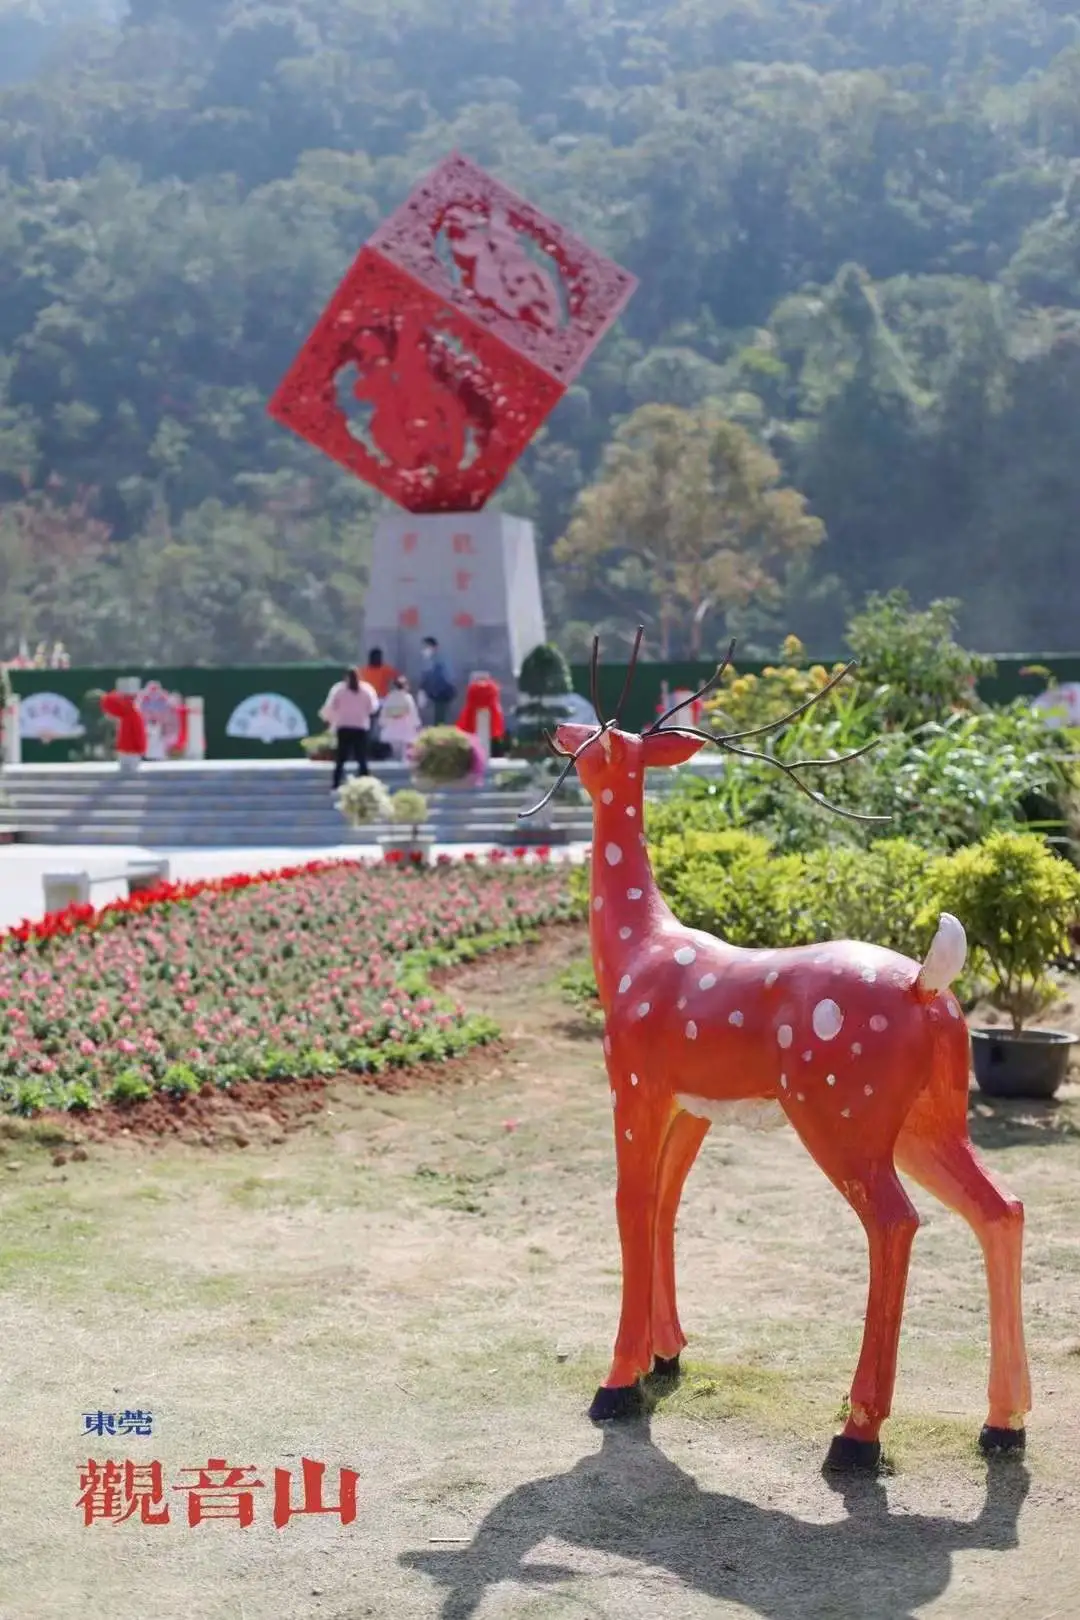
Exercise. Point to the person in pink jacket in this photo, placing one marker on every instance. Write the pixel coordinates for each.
(351, 705)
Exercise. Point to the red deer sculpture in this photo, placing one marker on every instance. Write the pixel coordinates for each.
(862, 1051)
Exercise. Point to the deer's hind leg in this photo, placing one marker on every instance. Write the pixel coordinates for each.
(949, 1168)
(681, 1145)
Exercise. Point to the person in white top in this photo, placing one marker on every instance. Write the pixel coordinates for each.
(399, 719)
(351, 705)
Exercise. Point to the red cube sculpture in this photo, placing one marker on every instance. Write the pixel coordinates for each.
(449, 342)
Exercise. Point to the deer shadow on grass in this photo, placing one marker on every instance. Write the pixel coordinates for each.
(996, 1123)
(630, 1501)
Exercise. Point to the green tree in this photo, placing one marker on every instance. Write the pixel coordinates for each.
(687, 520)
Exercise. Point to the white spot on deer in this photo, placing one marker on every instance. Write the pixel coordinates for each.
(856, 1050)
(685, 955)
(783, 1082)
(808, 1057)
(869, 976)
(631, 812)
(954, 1008)
(624, 933)
(613, 854)
(598, 903)
(624, 984)
(830, 1079)
(868, 1091)
(607, 796)
(629, 1136)
(707, 981)
(770, 979)
(784, 1036)
(614, 1099)
(800, 1097)
(633, 1079)
(878, 1023)
(736, 1018)
(845, 1113)
(632, 775)
(681, 1003)
(644, 1009)
(691, 1031)
(633, 894)
(607, 1045)
(828, 1020)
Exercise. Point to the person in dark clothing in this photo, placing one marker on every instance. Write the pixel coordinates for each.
(436, 687)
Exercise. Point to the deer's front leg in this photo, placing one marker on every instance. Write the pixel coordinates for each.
(640, 1126)
(684, 1137)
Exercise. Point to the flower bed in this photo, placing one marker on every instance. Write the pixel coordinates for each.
(300, 973)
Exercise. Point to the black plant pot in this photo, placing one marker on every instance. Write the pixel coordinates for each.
(1028, 1063)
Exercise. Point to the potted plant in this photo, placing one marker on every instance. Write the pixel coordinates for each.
(320, 749)
(1018, 902)
(365, 800)
(443, 756)
(409, 809)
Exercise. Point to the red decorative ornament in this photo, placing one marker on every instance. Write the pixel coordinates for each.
(131, 731)
(447, 344)
(479, 695)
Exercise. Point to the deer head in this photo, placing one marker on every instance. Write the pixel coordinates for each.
(606, 756)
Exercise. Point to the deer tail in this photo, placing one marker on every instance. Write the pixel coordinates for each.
(946, 957)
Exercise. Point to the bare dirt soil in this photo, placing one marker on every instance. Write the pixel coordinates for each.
(422, 1284)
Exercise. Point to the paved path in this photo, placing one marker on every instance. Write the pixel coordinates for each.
(22, 866)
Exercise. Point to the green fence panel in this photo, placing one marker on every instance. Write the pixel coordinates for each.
(224, 690)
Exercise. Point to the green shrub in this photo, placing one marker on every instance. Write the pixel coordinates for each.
(945, 785)
(545, 673)
(1017, 902)
(409, 808)
(179, 1080)
(442, 755)
(913, 660)
(129, 1087)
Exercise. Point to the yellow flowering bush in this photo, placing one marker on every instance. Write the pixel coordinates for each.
(750, 700)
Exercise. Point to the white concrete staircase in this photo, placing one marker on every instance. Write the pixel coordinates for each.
(225, 804)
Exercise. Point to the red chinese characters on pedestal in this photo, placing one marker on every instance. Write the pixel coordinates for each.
(448, 343)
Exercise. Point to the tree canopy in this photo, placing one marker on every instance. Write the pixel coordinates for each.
(857, 230)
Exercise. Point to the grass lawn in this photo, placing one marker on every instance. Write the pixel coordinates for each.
(422, 1286)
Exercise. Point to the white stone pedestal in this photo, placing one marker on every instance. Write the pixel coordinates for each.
(470, 580)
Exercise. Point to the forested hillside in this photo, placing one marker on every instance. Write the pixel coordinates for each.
(856, 224)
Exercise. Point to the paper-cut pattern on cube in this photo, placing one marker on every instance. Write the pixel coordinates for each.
(451, 339)
(553, 305)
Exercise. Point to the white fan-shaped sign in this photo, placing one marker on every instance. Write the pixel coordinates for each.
(1060, 705)
(267, 717)
(46, 716)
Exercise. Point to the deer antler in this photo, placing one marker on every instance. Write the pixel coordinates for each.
(685, 703)
(605, 725)
(729, 741)
(629, 681)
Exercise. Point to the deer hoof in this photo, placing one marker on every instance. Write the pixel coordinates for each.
(616, 1405)
(992, 1441)
(850, 1456)
(667, 1367)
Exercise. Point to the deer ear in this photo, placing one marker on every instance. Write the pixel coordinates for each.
(669, 748)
